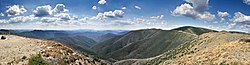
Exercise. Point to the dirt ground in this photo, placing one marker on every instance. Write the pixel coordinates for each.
(14, 48)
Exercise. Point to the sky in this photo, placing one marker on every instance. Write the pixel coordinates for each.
(124, 14)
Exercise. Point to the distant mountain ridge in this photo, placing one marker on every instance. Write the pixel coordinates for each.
(80, 40)
(152, 46)
(80, 43)
(146, 43)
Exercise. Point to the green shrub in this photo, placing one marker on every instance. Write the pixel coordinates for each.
(38, 60)
(24, 57)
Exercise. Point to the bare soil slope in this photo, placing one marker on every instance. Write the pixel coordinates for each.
(19, 50)
(216, 48)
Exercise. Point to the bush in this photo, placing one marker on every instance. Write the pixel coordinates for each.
(24, 57)
(245, 40)
(3, 37)
(38, 60)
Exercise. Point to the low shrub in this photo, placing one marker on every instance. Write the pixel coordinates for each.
(38, 60)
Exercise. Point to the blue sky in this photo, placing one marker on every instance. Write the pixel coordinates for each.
(124, 14)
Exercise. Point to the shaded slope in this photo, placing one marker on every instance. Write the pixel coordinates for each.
(121, 40)
(78, 40)
(97, 34)
(106, 37)
(160, 43)
(80, 43)
(142, 44)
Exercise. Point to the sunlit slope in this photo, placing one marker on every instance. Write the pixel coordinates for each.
(21, 50)
(210, 48)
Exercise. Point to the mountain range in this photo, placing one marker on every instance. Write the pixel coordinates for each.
(154, 46)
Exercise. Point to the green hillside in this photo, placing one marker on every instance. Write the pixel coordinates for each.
(80, 43)
(145, 43)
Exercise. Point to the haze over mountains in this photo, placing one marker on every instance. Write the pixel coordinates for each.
(154, 46)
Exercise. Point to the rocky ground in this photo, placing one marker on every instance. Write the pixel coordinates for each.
(213, 48)
(19, 50)
(216, 48)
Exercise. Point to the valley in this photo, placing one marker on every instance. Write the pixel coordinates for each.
(136, 47)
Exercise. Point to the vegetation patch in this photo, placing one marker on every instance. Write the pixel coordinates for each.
(3, 37)
(38, 60)
(245, 40)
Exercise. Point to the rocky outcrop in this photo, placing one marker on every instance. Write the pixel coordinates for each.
(19, 50)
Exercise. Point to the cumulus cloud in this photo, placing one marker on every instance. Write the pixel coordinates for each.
(60, 8)
(65, 16)
(102, 2)
(137, 7)
(43, 11)
(47, 10)
(118, 13)
(109, 14)
(123, 8)
(94, 8)
(157, 17)
(241, 18)
(199, 5)
(50, 19)
(1, 14)
(247, 2)
(99, 16)
(189, 11)
(15, 10)
(222, 14)
(19, 19)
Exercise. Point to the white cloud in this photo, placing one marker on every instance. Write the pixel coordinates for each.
(199, 5)
(123, 8)
(94, 8)
(247, 2)
(43, 11)
(19, 19)
(47, 10)
(222, 14)
(118, 13)
(241, 18)
(50, 19)
(99, 16)
(157, 17)
(1, 14)
(206, 16)
(102, 2)
(189, 11)
(109, 14)
(65, 16)
(222, 19)
(60, 8)
(15, 10)
(137, 7)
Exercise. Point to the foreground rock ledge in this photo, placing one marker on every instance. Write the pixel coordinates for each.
(19, 50)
